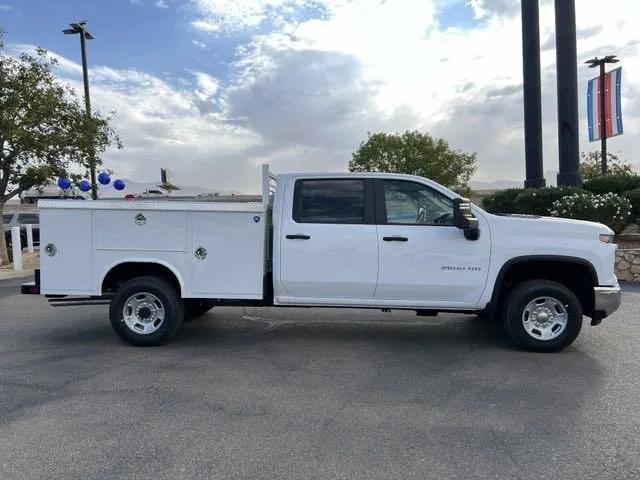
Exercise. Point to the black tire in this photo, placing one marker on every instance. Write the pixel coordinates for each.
(513, 313)
(196, 307)
(170, 305)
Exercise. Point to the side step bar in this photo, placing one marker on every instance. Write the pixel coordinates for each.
(78, 301)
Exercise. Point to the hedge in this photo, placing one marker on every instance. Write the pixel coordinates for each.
(502, 201)
(539, 201)
(612, 184)
(533, 201)
(634, 198)
(610, 209)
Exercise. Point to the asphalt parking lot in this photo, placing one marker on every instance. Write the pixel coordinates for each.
(305, 394)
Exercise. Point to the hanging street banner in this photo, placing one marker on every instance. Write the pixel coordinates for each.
(612, 106)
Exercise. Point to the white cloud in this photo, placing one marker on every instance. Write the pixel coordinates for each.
(5, 8)
(483, 8)
(235, 15)
(205, 26)
(463, 84)
(161, 4)
(305, 93)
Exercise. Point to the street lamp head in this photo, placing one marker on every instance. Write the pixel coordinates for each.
(596, 62)
(78, 27)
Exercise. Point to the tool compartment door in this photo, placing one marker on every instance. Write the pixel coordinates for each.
(227, 254)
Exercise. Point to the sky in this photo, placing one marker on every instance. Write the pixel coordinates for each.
(211, 89)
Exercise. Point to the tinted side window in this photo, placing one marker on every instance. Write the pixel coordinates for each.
(27, 218)
(329, 201)
(415, 204)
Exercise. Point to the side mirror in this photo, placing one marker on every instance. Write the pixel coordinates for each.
(463, 219)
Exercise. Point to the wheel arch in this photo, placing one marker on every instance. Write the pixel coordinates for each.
(577, 274)
(123, 270)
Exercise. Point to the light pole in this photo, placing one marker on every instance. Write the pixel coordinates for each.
(80, 28)
(601, 62)
(532, 94)
(567, 72)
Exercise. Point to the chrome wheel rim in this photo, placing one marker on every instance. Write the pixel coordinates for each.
(143, 313)
(545, 318)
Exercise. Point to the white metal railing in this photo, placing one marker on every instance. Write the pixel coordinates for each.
(16, 246)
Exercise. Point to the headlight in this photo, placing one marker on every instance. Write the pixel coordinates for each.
(606, 237)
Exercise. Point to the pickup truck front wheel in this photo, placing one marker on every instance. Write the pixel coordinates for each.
(542, 315)
(146, 311)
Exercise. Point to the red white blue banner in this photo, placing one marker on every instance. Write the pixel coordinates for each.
(612, 106)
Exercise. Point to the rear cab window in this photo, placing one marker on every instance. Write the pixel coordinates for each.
(333, 201)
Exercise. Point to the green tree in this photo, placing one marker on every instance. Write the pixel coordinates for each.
(591, 165)
(415, 153)
(43, 127)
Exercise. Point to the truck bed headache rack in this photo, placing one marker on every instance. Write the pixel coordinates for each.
(269, 184)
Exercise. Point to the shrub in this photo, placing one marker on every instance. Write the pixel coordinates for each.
(612, 183)
(502, 201)
(611, 209)
(591, 165)
(539, 201)
(634, 198)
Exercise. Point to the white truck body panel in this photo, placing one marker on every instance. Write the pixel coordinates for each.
(92, 237)
(327, 239)
(339, 265)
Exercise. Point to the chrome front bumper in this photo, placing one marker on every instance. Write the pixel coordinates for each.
(607, 300)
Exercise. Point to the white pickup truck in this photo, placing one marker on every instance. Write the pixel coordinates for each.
(366, 240)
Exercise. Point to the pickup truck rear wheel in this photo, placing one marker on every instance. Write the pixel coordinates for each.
(146, 311)
(542, 315)
(196, 307)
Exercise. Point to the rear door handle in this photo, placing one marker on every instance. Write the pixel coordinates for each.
(298, 236)
(395, 238)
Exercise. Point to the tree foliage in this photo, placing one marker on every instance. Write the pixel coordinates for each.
(43, 127)
(591, 165)
(415, 153)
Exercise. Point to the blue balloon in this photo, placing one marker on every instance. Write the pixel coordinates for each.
(104, 178)
(84, 185)
(118, 184)
(64, 183)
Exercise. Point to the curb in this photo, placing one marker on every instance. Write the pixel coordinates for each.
(10, 274)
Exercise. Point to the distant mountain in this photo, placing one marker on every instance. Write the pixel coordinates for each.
(495, 184)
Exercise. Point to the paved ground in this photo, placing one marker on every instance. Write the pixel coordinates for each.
(307, 394)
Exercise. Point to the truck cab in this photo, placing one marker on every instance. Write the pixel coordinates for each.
(366, 240)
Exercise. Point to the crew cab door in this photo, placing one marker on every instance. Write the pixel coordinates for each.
(423, 257)
(328, 246)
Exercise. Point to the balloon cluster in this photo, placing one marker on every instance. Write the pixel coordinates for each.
(85, 185)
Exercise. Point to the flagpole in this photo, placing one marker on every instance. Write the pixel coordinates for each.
(601, 62)
(603, 120)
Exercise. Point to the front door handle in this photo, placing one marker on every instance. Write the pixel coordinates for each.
(395, 238)
(298, 236)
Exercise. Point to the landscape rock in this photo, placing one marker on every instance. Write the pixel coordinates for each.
(628, 265)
